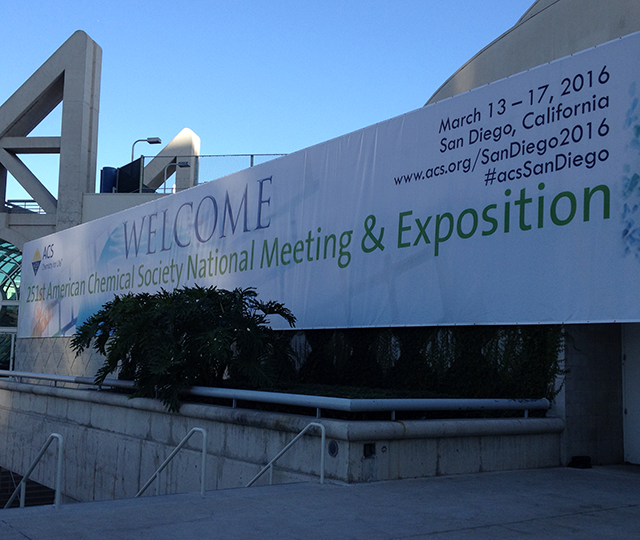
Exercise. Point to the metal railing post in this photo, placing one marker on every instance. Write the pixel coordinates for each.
(203, 467)
(22, 485)
(56, 501)
(323, 438)
(12, 353)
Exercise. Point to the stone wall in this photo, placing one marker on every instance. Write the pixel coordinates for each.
(113, 444)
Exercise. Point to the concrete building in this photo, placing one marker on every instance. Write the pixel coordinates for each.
(597, 414)
(71, 77)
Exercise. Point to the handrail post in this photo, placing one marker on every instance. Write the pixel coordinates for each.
(22, 486)
(204, 460)
(56, 501)
(322, 457)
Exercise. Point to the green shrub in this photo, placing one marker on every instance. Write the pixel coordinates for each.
(456, 361)
(169, 341)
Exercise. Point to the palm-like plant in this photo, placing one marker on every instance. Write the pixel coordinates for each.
(169, 341)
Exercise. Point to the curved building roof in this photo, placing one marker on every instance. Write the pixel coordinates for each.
(549, 29)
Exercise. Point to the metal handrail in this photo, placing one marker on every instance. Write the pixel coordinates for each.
(322, 402)
(173, 454)
(22, 486)
(269, 466)
(66, 379)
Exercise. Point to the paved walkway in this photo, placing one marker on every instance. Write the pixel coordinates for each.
(601, 503)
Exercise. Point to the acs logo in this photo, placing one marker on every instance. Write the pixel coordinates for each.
(35, 263)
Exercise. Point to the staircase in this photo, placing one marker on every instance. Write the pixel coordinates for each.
(37, 494)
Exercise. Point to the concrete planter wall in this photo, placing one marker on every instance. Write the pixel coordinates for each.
(114, 444)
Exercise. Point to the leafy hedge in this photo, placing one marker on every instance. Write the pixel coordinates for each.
(471, 361)
(169, 341)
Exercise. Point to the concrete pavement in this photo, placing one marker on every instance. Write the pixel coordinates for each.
(603, 502)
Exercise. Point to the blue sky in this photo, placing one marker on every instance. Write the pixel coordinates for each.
(250, 76)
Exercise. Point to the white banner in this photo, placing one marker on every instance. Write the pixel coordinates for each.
(518, 202)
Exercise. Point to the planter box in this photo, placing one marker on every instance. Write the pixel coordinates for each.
(113, 444)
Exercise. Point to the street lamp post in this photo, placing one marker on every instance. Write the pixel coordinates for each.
(150, 140)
